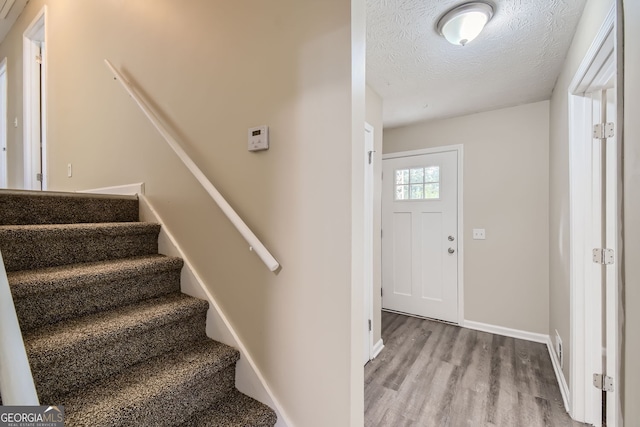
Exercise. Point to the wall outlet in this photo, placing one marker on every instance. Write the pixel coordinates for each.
(69, 170)
(558, 349)
(479, 234)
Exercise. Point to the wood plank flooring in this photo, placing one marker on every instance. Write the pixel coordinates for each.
(431, 374)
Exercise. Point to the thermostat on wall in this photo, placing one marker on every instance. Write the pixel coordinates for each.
(259, 138)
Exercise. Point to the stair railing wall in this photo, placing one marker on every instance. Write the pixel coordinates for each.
(254, 243)
(16, 381)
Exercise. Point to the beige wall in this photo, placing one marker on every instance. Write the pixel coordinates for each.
(213, 69)
(632, 212)
(559, 297)
(505, 192)
(374, 118)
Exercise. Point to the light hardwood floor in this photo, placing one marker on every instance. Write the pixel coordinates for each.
(434, 374)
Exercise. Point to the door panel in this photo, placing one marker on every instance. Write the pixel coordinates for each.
(419, 274)
(430, 271)
(402, 242)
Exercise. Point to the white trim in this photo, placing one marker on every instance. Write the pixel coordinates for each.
(4, 164)
(459, 149)
(16, 381)
(121, 190)
(31, 110)
(594, 73)
(377, 348)
(368, 206)
(507, 332)
(224, 332)
(562, 382)
(578, 83)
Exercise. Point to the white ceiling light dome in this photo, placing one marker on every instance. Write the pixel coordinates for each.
(464, 23)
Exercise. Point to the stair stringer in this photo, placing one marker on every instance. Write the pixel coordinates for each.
(249, 379)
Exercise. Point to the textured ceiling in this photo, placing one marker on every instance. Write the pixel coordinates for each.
(420, 76)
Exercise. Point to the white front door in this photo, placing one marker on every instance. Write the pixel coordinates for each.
(420, 235)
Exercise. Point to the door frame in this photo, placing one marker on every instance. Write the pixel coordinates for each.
(459, 149)
(369, 146)
(4, 176)
(34, 110)
(598, 67)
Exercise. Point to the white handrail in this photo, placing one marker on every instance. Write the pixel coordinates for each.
(16, 382)
(254, 243)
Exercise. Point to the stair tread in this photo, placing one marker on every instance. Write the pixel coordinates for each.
(64, 194)
(45, 207)
(110, 400)
(28, 282)
(115, 324)
(80, 229)
(235, 410)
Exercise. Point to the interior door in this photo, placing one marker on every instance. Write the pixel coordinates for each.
(419, 241)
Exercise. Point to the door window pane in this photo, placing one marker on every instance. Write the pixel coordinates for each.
(417, 183)
(402, 176)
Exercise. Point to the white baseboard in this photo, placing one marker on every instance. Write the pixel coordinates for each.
(562, 382)
(377, 348)
(121, 190)
(507, 332)
(249, 379)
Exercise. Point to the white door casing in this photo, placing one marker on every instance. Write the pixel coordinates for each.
(34, 112)
(594, 178)
(420, 236)
(3, 124)
(368, 242)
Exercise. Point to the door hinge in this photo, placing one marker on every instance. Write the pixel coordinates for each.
(381, 292)
(604, 130)
(39, 177)
(369, 325)
(603, 382)
(603, 256)
(39, 59)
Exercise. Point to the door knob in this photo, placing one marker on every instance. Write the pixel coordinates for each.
(451, 239)
(451, 250)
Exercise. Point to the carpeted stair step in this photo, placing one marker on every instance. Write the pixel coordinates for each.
(57, 293)
(71, 354)
(26, 247)
(36, 207)
(235, 410)
(164, 391)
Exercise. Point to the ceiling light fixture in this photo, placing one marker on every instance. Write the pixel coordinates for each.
(464, 23)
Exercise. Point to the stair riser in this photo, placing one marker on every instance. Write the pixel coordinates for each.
(93, 361)
(51, 307)
(37, 251)
(29, 208)
(179, 403)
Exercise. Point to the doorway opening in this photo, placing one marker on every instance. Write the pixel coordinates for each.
(35, 113)
(368, 242)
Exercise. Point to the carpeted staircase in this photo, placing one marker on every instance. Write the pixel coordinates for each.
(107, 331)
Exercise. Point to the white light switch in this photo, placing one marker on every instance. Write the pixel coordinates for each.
(478, 234)
(259, 138)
